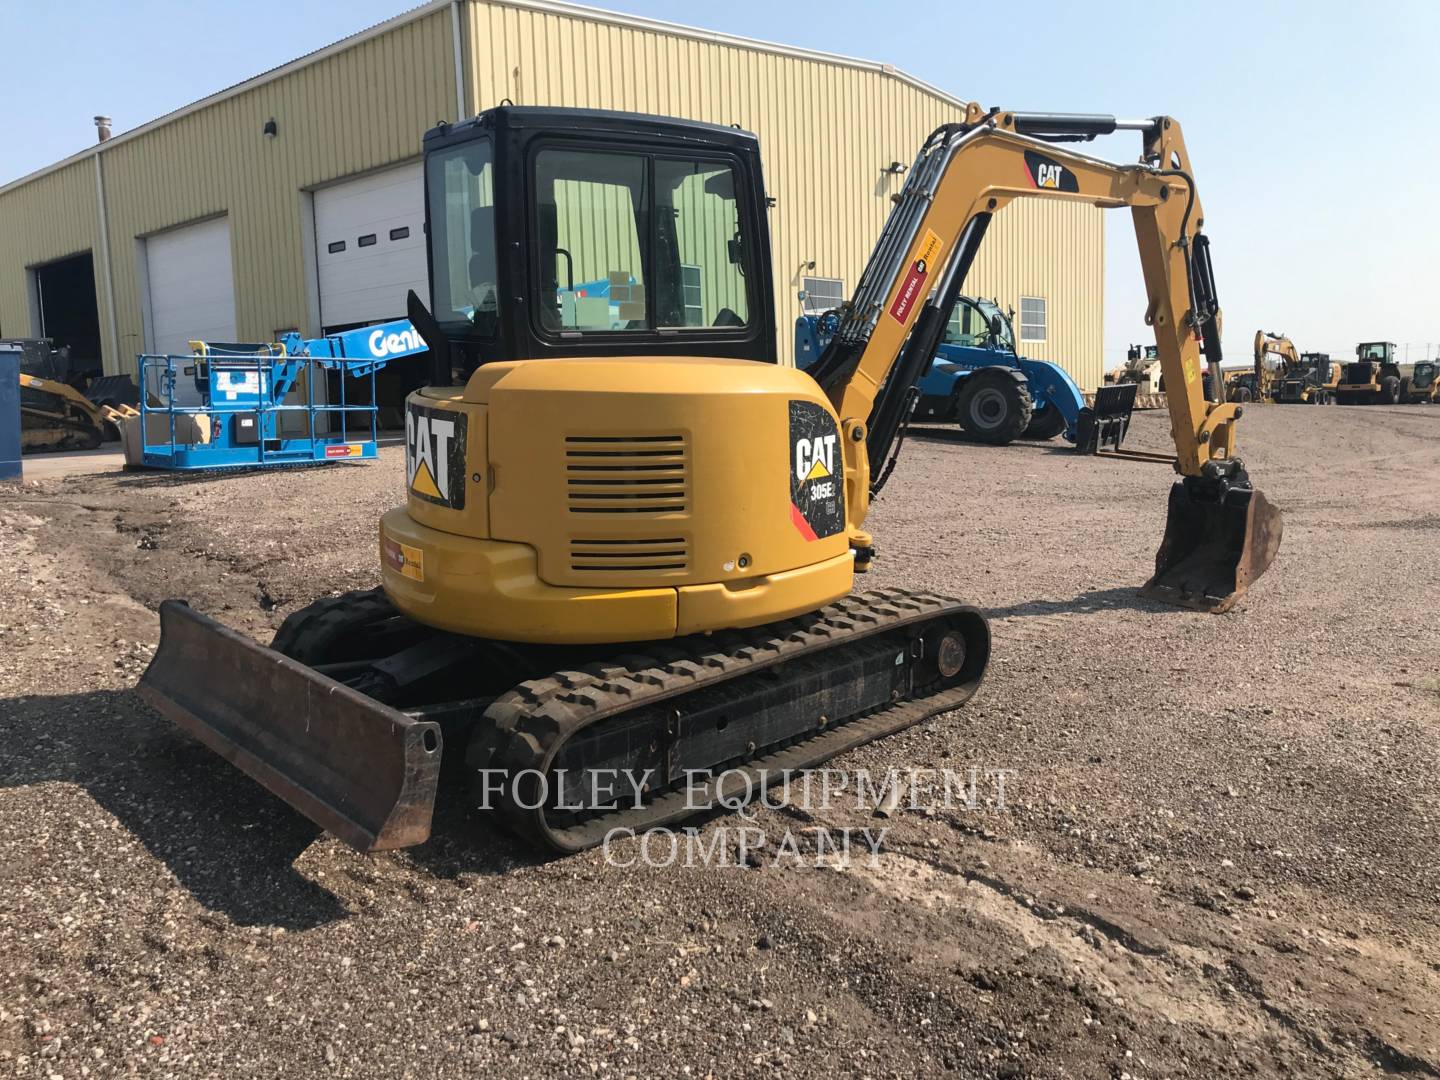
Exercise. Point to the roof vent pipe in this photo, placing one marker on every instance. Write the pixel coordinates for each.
(103, 124)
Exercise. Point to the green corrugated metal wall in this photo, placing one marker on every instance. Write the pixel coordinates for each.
(827, 130)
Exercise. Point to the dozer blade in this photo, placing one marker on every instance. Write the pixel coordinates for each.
(1220, 535)
(354, 766)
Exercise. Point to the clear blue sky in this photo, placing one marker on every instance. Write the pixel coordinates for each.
(1311, 124)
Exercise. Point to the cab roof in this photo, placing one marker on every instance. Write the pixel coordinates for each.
(522, 117)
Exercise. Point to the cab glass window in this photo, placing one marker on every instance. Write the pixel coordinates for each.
(968, 325)
(632, 242)
(462, 244)
(696, 202)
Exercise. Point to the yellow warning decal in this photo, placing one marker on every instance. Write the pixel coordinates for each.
(424, 483)
(818, 471)
(929, 248)
(404, 559)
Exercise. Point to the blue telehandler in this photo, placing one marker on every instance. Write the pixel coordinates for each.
(977, 380)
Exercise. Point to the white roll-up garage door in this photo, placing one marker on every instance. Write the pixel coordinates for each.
(370, 246)
(191, 286)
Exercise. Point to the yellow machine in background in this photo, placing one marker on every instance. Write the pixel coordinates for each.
(1261, 383)
(1141, 367)
(55, 413)
(1309, 381)
(630, 537)
(56, 416)
(1377, 377)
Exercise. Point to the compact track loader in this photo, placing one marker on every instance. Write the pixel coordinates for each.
(54, 414)
(620, 587)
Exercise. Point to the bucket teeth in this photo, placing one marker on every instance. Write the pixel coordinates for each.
(1220, 536)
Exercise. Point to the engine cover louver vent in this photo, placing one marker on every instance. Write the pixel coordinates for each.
(634, 556)
(629, 474)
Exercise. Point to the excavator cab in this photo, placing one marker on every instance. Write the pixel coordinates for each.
(1309, 381)
(585, 234)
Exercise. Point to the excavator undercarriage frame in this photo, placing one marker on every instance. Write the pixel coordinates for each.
(675, 727)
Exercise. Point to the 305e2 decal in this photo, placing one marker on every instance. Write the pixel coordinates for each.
(817, 490)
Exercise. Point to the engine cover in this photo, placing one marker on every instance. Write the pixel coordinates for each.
(713, 478)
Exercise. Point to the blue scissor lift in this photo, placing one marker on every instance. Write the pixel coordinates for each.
(235, 394)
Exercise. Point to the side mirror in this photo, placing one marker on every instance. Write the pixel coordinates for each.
(735, 249)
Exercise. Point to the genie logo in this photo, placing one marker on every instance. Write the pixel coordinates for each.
(392, 344)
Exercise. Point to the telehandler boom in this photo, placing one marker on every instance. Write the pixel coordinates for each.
(622, 576)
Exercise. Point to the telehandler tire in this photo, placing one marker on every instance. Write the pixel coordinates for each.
(993, 407)
(1045, 423)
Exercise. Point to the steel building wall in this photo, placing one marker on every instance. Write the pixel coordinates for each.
(361, 108)
(49, 218)
(827, 130)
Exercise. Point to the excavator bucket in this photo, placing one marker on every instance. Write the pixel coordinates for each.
(1219, 537)
(356, 767)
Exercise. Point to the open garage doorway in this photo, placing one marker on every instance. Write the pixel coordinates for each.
(67, 312)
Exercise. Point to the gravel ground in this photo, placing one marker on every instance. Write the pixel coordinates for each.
(1217, 855)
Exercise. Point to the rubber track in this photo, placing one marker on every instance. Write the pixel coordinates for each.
(82, 435)
(307, 632)
(525, 728)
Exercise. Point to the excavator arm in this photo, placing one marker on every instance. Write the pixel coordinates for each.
(1221, 533)
(1267, 343)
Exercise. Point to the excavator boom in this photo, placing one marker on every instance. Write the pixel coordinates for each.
(1220, 534)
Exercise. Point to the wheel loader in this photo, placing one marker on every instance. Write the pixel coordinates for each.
(1378, 378)
(619, 589)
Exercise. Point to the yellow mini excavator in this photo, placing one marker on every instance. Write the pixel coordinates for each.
(620, 586)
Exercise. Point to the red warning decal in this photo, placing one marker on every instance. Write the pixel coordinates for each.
(798, 519)
(913, 288)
